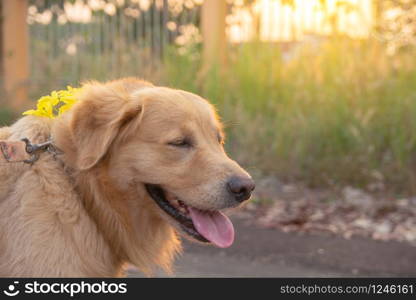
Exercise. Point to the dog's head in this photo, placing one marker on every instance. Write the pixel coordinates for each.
(166, 146)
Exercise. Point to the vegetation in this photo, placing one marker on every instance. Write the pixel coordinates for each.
(341, 113)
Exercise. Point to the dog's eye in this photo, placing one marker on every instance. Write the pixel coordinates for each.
(180, 143)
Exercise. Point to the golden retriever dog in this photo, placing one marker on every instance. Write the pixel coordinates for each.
(140, 164)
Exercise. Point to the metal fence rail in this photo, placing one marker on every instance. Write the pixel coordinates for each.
(75, 40)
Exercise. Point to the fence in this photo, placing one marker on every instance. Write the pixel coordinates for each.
(70, 40)
(102, 40)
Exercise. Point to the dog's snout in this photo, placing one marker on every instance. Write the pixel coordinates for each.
(241, 187)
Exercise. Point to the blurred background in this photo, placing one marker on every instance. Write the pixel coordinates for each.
(318, 96)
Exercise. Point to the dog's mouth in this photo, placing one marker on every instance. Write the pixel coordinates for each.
(204, 226)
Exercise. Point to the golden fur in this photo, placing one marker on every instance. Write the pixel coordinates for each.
(88, 213)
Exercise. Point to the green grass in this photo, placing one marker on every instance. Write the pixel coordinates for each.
(343, 114)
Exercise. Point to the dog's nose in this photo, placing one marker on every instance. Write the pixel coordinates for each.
(241, 187)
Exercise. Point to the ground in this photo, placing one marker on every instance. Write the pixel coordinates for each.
(262, 252)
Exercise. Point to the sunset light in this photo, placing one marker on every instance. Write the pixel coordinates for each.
(275, 20)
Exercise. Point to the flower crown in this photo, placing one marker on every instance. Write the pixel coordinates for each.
(55, 104)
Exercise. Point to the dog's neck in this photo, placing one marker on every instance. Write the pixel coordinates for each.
(120, 214)
(134, 234)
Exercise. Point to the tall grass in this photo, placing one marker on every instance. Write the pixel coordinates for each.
(339, 113)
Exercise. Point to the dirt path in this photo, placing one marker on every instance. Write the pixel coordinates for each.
(271, 253)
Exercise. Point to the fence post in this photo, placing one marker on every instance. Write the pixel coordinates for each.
(14, 52)
(213, 32)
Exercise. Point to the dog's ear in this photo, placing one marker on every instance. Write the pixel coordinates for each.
(100, 115)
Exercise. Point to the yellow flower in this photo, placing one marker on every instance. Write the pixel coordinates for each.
(55, 104)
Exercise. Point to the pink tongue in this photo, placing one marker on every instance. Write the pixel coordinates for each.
(214, 226)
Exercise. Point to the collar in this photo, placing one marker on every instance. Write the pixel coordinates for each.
(26, 152)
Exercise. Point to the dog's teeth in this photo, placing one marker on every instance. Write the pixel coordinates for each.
(182, 207)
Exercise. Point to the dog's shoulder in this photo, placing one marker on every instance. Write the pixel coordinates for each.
(39, 209)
